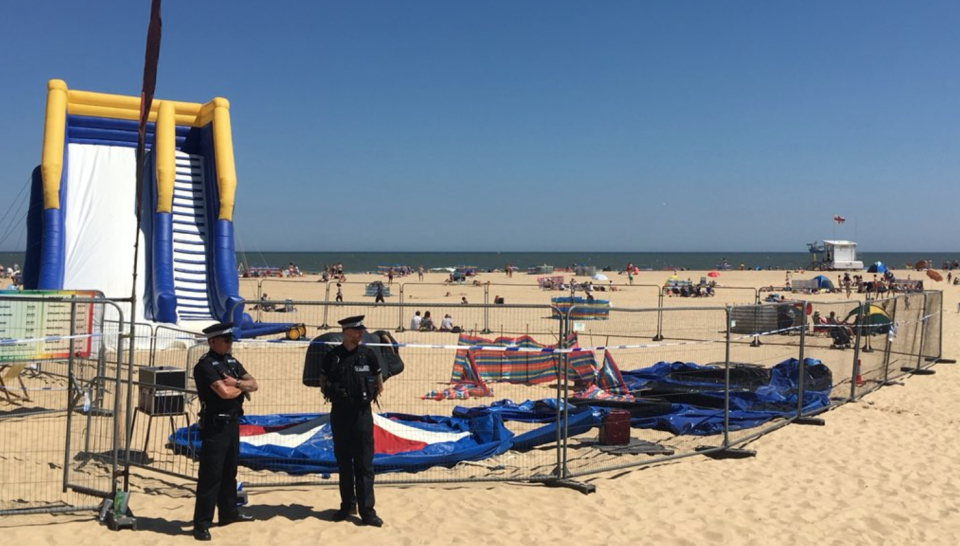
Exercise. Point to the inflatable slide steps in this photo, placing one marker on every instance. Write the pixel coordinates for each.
(189, 239)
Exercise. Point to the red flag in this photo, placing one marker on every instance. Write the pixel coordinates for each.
(839, 219)
(150, 61)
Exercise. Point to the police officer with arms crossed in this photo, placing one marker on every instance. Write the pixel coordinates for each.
(222, 383)
(351, 381)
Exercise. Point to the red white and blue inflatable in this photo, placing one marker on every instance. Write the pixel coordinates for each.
(303, 443)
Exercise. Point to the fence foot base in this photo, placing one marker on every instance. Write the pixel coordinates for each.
(486, 331)
(634, 447)
(755, 342)
(114, 521)
(946, 361)
(323, 326)
(809, 421)
(117, 523)
(726, 453)
(889, 383)
(866, 349)
(657, 337)
(918, 371)
(585, 488)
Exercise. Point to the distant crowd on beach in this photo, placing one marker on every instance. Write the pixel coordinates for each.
(460, 274)
(14, 274)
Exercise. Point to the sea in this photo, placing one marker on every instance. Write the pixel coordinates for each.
(359, 262)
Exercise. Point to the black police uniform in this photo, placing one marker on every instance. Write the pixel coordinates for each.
(220, 437)
(351, 387)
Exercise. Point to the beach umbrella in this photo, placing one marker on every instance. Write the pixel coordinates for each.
(935, 275)
(922, 264)
(600, 277)
(877, 267)
(713, 274)
(874, 317)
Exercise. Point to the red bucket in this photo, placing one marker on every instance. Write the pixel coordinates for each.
(615, 428)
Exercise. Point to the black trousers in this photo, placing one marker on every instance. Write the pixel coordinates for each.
(352, 427)
(217, 480)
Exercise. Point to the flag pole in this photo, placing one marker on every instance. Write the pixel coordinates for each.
(151, 59)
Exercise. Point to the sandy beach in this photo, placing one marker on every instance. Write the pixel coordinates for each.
(881, 471)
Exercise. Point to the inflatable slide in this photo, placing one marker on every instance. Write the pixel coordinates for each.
(82, 223)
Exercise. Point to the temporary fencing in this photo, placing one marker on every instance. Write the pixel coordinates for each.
(59, 436)
(510, 392)
(931, 349)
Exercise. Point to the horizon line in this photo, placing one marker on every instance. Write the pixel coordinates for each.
(555, 251)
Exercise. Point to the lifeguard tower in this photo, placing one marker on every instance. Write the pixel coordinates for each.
(841, 255)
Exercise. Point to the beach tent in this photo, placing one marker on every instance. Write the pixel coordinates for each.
(877, 267)
(874, 317)
(823, 282)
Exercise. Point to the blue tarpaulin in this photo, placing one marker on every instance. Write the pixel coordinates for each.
(302, 443)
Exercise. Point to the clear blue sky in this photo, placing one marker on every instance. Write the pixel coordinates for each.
(537, 125)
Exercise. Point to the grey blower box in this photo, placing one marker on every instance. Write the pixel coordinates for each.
(161, 390)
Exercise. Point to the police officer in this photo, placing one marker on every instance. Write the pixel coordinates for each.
(222, 384)
(351, 381)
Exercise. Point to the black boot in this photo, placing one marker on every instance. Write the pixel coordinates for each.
(343, 513)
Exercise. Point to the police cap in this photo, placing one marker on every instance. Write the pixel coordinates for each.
(352, 322)
(221, 329)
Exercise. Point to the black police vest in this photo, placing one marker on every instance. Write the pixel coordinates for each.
(351, 378)
(224, 366)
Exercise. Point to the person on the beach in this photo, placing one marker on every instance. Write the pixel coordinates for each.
(446, 325)
(222, 384)
(339, 293)
(379, 297)
(350, 379)
(427, 325)
(415, 321)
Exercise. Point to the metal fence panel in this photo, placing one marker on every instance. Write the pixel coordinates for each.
(622, 342)
(424, 388)
(163, 400)
(932, 347)
(833, 338)
(904, 334)
(58, 406)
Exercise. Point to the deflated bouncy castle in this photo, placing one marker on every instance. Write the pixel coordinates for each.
(82, 223)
